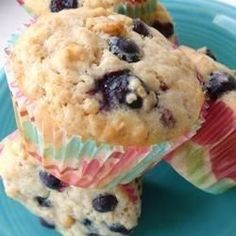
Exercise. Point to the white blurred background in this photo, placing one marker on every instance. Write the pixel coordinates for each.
(12, 16)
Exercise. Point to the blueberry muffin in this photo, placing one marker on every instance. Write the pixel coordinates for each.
(109, 79)
(158, 18)
(204, 60)
(208, 159)
(71, 211)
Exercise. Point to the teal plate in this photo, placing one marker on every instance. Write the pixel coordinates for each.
(171, 206)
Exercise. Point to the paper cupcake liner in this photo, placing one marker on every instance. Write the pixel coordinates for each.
(143, 9)
(132, 190)
(84, 163)
(87, 164)
(22, 3)
(208, 160)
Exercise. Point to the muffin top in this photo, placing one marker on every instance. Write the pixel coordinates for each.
(103, 76)
(219, 81)
(154, 14)
(40, 7)
(204, 60)
(45, 6)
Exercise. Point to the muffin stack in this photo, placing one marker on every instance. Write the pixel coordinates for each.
(99, 99)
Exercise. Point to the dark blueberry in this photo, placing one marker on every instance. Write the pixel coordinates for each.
(87, 222)
(114, 88)
(140, 27)
(220, 83)
(118, 228)
(210, 54)
(166, 28)
(105, 203)
(125, 49)
(167, 118)
(50, 181)
(46, 223)
(58, 5)
(43, 202)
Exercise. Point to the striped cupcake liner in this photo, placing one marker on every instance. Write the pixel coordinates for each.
(133, 190)
(143, 9)
(22, 3)
(208, 160)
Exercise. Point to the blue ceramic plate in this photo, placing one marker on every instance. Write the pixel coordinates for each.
(171, 206)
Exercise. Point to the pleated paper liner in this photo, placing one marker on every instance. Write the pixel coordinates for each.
(143, 9)
(89, 165)
(132, 190)
(85, 163)
(208, 160)
(22, 3)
